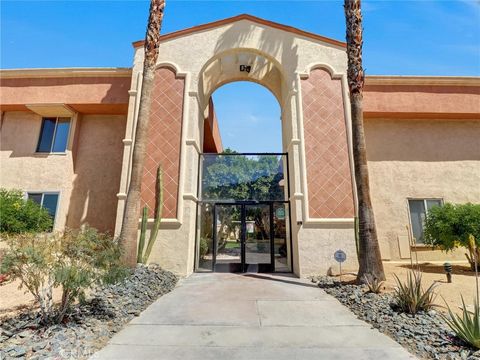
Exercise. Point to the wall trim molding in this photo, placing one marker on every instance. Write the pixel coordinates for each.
(422, 80)
(194, 143)
(190, 196)
(65, 72)
(122, 196)
(331, 223)
(170, 223)
(324, 66)
(172, 66)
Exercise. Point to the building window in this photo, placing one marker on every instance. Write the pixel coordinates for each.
(48, 201)
(54, 135)
(418, 211)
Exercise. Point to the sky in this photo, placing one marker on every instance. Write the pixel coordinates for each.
(400, 38)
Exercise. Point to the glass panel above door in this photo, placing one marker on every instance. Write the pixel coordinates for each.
(232, 177)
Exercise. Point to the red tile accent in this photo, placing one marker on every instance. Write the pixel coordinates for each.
(164, 139)
(326, 150)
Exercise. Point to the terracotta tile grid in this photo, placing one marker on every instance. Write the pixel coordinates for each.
(164, 142)
(328, 171)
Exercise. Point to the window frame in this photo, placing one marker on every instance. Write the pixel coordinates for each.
(37, 151)
(416, 243)
(43, 193)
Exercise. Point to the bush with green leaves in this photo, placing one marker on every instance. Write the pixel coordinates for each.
(74, 261)
(466, 326)
(453, 225)
(410, 297)
(18, 215)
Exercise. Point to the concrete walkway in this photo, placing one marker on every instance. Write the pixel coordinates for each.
(249, 316)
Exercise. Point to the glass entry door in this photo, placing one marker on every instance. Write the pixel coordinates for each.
(228, 240)
(243, 237)
(258, 238)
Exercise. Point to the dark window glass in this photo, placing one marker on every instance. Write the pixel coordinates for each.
(46, 135)
(36, 198)
(418, 213)
(432, 203)
(46, 201)
(54, 135)
(61, 135)
(417, 217)
(50, 203)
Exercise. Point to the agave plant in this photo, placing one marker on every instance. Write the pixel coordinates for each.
(466, 326)
(410, 296)
(373, 284)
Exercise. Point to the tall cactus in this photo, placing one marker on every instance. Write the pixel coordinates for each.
(143, 232)
(158, 216)
(142, 257)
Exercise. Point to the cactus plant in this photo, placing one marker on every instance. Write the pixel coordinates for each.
(143, 257)
(143, 232)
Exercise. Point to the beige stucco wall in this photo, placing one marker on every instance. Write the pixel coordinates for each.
(419, 159)
(22, 168)
(89, 168)
(278, 59)
(318, 244)
(97, 168)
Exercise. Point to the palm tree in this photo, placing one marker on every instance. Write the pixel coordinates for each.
(128, 233)
(369, 258)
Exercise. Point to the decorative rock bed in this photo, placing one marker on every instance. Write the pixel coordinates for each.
(89, 326)
(426, 334)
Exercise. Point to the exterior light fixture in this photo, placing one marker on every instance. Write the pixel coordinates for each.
(448, 270)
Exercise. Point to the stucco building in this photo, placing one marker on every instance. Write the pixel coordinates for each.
(67, 138)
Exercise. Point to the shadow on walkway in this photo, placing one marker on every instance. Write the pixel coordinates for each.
(280, 278)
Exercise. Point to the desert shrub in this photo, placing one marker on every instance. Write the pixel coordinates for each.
(18, 215)
(374, 285)
(466, 326)
(452, 225)
(410, 297)
(74, 261)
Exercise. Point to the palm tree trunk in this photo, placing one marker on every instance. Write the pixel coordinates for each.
(128, 233)
(369, 258)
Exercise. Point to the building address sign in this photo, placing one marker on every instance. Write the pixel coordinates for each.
(245, 68)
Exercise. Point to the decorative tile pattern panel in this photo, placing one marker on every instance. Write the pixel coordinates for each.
(326, 150)
(164, 141)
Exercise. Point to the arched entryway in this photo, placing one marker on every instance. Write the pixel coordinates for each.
(306, 75)
(243, 214)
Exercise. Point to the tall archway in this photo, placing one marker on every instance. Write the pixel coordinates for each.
(313, 107)
(243, 219)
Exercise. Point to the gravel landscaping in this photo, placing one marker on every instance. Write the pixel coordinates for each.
(89, 326)
(426, 335)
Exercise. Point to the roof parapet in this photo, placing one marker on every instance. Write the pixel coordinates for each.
(422, 80)
(254, 19)
(65, 72)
